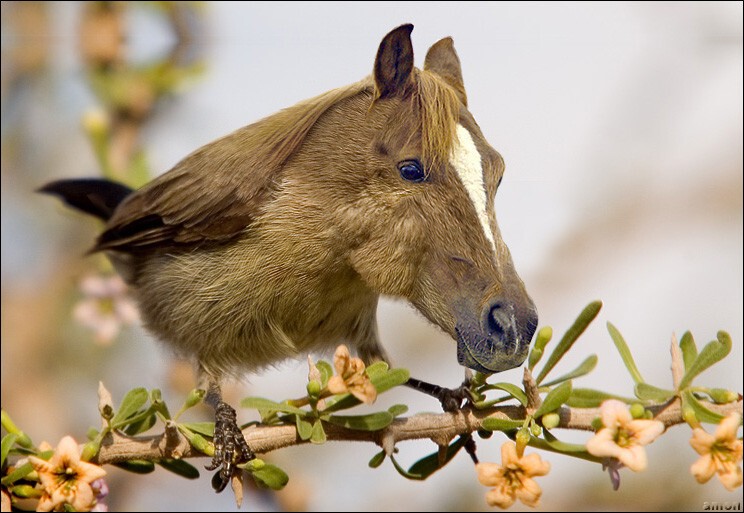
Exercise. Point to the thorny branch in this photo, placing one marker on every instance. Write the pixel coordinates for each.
(440, 428)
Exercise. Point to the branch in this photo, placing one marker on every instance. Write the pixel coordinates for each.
(440, 428)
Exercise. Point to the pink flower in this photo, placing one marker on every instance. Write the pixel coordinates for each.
(719, 454)
(106, 307)
(623, 437)
(65, 479)
(350, 377)
(512, 479)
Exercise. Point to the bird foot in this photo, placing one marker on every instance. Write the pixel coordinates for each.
(230, 447)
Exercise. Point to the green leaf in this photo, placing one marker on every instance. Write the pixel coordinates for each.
(369, 422)
(582, 370)
(377, 369)
(589, 398)
(140, 426)
(646, 392)
(712, 353)
(377, 459)
(261, 404)
(574, 332)
(18, 473)
(689, 349)
(398, 409)
(132, 402)
(554, 400)
(203, 428)
(427, 465)
(702, 413)
(304, 428)
(543, 337)
(513, 390)
(552, 444)
(270, 476)
(622, 348)
(318, 435)
(137, 466)
(8, 442)
(326, 371)
(500, 424)
(180, 467)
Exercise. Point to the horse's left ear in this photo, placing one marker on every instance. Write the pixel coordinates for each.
(394, 62)
(443, 60)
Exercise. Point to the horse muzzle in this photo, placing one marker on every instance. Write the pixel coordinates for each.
(497, 340)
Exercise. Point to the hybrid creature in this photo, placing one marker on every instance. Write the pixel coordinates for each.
(278, 239)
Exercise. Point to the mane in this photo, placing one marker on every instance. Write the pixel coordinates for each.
(436, 101)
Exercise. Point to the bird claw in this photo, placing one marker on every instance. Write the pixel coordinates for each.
(230, 447)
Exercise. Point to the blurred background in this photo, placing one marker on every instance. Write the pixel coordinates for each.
(621, 127)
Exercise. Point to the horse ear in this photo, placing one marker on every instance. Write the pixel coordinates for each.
(443, 60)
(394, 62)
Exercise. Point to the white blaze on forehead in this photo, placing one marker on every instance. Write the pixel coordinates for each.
(467, 162)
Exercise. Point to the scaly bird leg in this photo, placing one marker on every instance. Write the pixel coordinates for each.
(230, 447)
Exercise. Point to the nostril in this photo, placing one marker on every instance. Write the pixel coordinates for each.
(497, 320)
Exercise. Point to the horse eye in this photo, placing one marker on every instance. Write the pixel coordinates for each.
(412, 170)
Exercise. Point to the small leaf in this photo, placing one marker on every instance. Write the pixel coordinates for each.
(261, 404)
(377, 369)
(582, 370)
(326, 371)
(132, 402)
(689, 349)
(646, 392)
(369, 422)
(137, 466)
(318, 435)
(304, 428)
(18, 473)
(554, 400)
(203, 428)
(398, 409)
(427, 465)
(8, 442)
(141, 425)
(270, 476)
(585, 318)
(712, 353)
(543, 337)
(589, 398)
(377, 459)
(622, 348)
(511, 389)
(702, 413)
(500, 424)
(180, 467)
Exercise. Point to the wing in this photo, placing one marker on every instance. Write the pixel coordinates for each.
(212, 195)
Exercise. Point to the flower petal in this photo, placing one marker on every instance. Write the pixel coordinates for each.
(732, 479)
(703, 469)
(489, 474)
(702, 441)
(634, 458)
(645, 431)
(728, 427)
(614, 412)
(501, 496)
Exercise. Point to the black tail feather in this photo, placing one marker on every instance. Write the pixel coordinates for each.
(94, 196)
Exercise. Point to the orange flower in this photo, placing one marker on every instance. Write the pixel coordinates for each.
(623, 437)
(513, 478)
(719, 454)
(66, 479)
(350, 377)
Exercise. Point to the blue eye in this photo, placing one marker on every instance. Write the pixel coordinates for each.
(412, 170)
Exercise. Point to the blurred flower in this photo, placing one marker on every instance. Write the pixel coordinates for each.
(66, 480)
(513, 478)
(719, 454)
(350, 377)
(106, 307)
(623, 437)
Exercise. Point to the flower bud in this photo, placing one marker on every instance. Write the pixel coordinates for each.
(105, 402)
(723, 396)
(637, 411)
(522, 439)
(551, 420)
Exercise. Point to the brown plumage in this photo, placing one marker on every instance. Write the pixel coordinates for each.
(278, 239)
